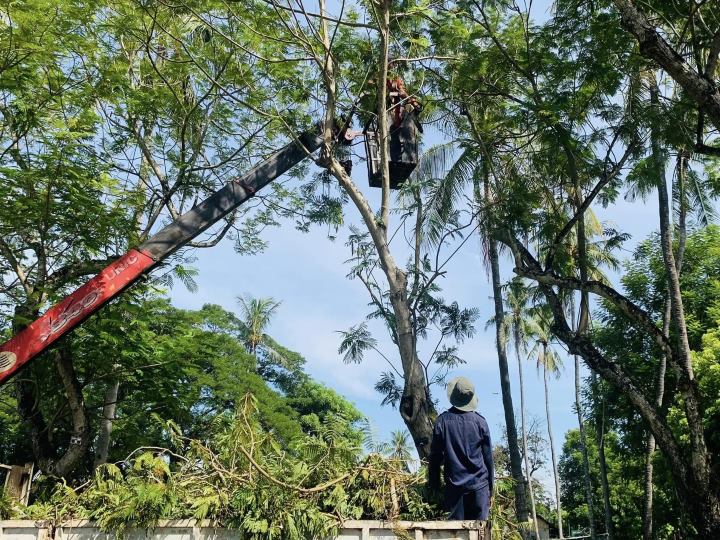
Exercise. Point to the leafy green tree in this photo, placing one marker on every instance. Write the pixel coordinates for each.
(116, 118)
(554, 102)
(353, 59)
(240, 476)
(625, 479)
(315, 404)
(191, 367)
(695, 74)
(645, 282)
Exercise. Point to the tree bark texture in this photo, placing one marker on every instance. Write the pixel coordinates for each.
(416, 407)
(526, 454)
(44, 450)
(698, 497)
(556, 477)
(106, 424)
(700, 459)
(662, 366)
(501, 333)
(583, 325)
(650, 441)
(583, 449)
(699, 86)
(600, 441)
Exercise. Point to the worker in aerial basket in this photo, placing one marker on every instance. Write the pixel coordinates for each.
(461, 442)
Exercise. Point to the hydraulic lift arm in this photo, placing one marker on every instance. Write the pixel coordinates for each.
(119, 275)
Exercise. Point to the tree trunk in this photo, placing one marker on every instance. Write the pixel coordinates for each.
(28, 400)
(582, 328)
(552, 455)
(552, 452)
(526, 454)
(648, 488)
(650, 441)
(653, 46)
(416, 407)
(80, 438)
(501, 345)
(600, 441)
(583, 449)
(662, 367)
(701, 504)
(688, 386)
(106, 424)
(699, 456)
(682, 209)
(699, 498)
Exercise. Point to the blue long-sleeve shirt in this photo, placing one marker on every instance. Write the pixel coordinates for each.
(461, 440)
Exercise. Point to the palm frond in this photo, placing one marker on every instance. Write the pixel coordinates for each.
(447, 193)
(699, 198)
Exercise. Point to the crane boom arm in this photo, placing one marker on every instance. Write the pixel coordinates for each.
(123, 272)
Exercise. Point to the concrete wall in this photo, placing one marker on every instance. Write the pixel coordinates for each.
(194, 530)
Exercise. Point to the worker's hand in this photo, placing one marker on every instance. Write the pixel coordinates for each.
(490, 503)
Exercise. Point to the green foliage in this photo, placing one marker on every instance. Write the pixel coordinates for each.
(8, 508)
(706, 363)
(645, 283)
(243, 477)
(625, 470)
(502, 514)
(191, 367)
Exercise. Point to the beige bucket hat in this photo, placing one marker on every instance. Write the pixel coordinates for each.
(461, 393)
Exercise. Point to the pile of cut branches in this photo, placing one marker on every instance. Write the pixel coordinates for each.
(243, 478)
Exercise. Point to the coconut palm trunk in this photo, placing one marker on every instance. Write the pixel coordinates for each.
(501, 335)
(552, 446)
(583, 449)
(600, 441)
(521, 327)
(650, 441)
(674, 311)
(526, 455)
(583, 440)
(583, 324)
(662, 365)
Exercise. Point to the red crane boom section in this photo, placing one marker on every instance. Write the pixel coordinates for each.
(120, 274)
(70, 312)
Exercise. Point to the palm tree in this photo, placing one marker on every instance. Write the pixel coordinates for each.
(399, 447)
(256, 314)
(551, 363)
(592, 254)
(273, 363)
(452, 168)
(521, 327)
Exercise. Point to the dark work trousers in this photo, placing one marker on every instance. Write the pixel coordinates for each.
(470, 505)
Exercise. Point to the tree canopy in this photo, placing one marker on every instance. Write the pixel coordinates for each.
(117, 117)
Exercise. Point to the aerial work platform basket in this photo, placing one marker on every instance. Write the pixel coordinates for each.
(404, 129)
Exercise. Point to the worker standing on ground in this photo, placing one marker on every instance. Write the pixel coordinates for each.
(461, 442)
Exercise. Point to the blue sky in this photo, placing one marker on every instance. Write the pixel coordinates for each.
(306, 271)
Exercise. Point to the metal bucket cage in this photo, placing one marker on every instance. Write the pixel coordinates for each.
(403, 149)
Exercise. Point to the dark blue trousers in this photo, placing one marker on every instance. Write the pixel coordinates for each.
(464, 504)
